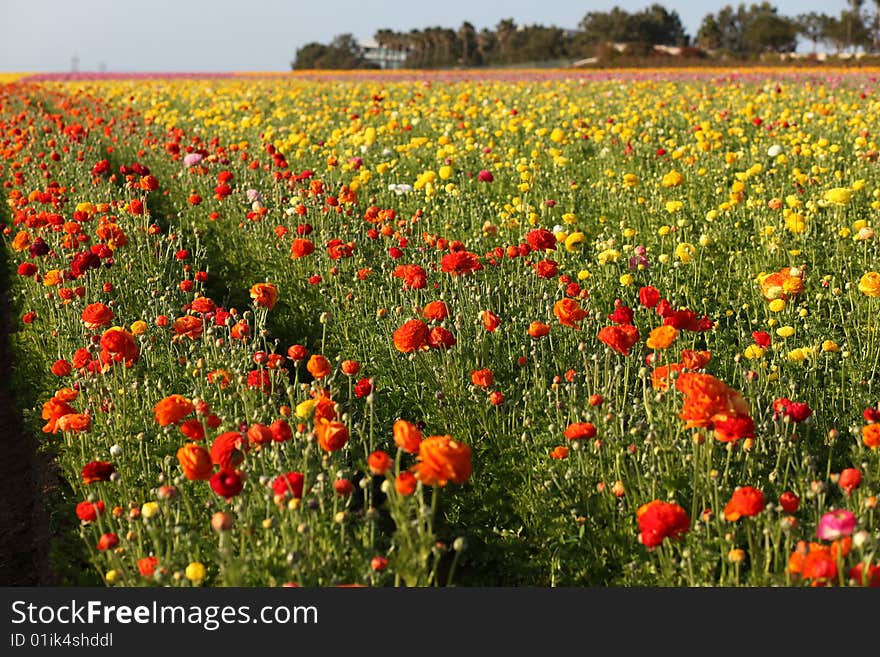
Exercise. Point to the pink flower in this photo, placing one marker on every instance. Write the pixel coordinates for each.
(836, 524)
(192, 159)
(485, 176)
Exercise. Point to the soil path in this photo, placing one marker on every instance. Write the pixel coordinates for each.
(25, 479)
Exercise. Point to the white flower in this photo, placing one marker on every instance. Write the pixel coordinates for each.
(774, 150)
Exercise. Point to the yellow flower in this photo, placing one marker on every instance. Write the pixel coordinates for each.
(672, 179)
(195, 572)
(837, 195)
(869, 284)
(573, 241)
(785, 331)
(305, 409)
(111, 576)
(445, 172)
(795, 223)
(674, 206)
(626, 279)
(830, 345)
(777, 305)
(630, 180)
(753, 352)
(139, 327)
(150, 509)
(686, 252)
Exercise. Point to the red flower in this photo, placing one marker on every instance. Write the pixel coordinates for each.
(300, 248)
(744, 503)
(490, 320)
(379, 462)
(620, 338)
(260, 380)
(228, 449)
(658, 520)
(226, 483)
(849, 480)
(483, 378)
(622, 315)
(108, 541)
(649, 296)
(789, 502)
(761, 338)
(485, 176)
(580, 431)
(281, 431)
(794, 411)
(547, 268)
(363, 388)
(97, 471)
(541, 239)
(289, 485)
(89, 511)
(147, 566)
(436, 310)
(441, 338)
(460, 262)
(414, 277)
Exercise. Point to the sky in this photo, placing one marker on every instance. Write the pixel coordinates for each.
(263, 35)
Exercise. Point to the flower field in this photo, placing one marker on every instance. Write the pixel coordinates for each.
(530, 329)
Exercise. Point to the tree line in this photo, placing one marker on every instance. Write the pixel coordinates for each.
(741, 32)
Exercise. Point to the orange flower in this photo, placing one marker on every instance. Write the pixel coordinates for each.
(662, 337)
(379, 462)
(259, 434)
(318, 366)
(264, 294)
(660, 375)
(172, 409)
(195, 461)
(559, 453)
(188, 326)
(407, 436)
(441, 460)
(332, 435)
(411, 336)
(228, 450)
(621, 337)
(74, 422)
(405, 483)
(436, 310)
(482, 378)
(871, 435)
(695, 360)
(779, 285)
(569, 313)
(490, 320)
(203, 305)
(538, 329)
(96, 315)
(705, 397)
(54, 410)
(117, 345)
(301, 248)
(744, 503)
(22, 240)
(580, 431)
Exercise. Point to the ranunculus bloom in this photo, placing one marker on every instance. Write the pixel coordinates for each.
(865, 576)
(289, 485)
(871, 435)
(649, 296)
(74, 422)
(407, 436)
(53, 411)
(538, 329)
(460, 262)
(436, 310)
(188, 326)
(414, 277)
(441, 338)
(782, 284)
(541, 239)
(89, 511)
(332, 434)
(264, 294)
(795, 411)
(789, 502)
(745, 502)
(147, 566)
(849, 480)
(658, 520)
(836, 524)
(869, 284)
(411, 336)
(729, 428)
(490, 320)
(441, 460)
(195, 461)
(318, 366)
(259, 434)
(96, 315)
(95, 471)
(707, 397)
(569, 313)
(108, 541)
(172, 409)
(118, 345)
(661, 337)
(620, 338)
(483, 378)
(405, 483)
(580, 431)
(379, 462)
(281, 431)
(226, 483)
(301, 247)
(228, 449)
(695, 360)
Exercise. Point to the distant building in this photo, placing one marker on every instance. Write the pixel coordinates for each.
(382, 56)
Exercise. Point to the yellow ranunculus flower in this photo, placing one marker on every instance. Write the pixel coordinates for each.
(869, 284)
(837, 195)
(777, 305)
(753, 352)
(139, 327)
(672, 179)
(195, 572)
(573, 241)
(686, 252)
(305, 409)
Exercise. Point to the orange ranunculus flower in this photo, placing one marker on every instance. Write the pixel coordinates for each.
(744, 503)
(538, 329)
(695, 360)
(300, 248)
(325, 408)
(172, 409)
(228, 450)
(411, 336)
(818, 562)
(264, 294)
(188, 326)
(203, 305)
(729, 428)
(195, 461)
(332, 435)
(74, 422)
(21, 241)
(490, 320)
(660, 375)
(436, 310)
(871, 435)
(869, 284)
(407, 436)
(119, 345)
(441, 460)
(662, 337)
(318, 366)
(53, 411)
(788, 281)
(569, 313)
(705, 397)
(621, 337)
(259, 434)
(96, 315)
(483, 378)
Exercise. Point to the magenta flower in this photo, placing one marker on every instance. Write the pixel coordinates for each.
(836, 524)
(485, 176)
